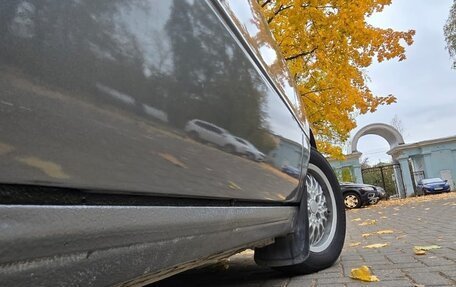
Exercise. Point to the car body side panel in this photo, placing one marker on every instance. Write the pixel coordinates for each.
(95, 95)
(108, 245)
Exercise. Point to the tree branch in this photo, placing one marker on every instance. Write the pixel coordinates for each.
(317, 91)
(301, 54)
(265, 3)
(281, 8)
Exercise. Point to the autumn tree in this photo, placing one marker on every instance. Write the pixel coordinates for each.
(450, 33)
(328, 44)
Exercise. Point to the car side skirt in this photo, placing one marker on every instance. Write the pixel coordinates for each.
(107, 245)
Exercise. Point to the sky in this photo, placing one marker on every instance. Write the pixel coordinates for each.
(424, 84)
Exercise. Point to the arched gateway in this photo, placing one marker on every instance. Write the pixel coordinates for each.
(389, 133)
(395, 139)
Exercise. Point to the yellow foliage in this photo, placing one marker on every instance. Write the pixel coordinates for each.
(368, 222)
(327, 45)
(386, 231)
(376, 245)
(363, 273)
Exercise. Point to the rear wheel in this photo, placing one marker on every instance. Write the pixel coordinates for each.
(352, 200)
(250, 156)
(229, 148)
(326, 213)
(194, 135)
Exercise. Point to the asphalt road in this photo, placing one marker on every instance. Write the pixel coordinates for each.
(420, 221)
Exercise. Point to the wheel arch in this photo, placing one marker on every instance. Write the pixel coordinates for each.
(351, 191)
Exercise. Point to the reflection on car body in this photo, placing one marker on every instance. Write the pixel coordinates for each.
(99, 184)
(204, 131)
(292, 171)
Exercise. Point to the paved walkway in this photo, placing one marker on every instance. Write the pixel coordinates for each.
(429, 220)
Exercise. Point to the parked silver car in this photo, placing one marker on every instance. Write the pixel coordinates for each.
(205, 131)
(244, 147)
(98, 184)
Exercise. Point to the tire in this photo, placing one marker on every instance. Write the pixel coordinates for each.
(194, 136)
(323, 190)
(352, 200)
(229, 148)
(250, 156)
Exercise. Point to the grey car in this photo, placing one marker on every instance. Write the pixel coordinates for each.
(100, 184)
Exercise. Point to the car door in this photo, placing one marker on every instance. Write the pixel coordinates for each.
(87, 95)
(96, 172)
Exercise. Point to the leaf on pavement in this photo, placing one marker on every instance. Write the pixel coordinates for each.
(365, 235)
(363, 273)
(427, 248)
(172, 159)
(356, 219)
(368, 222)
(386, 231)
(384, 217)
(355, 244)
(376, 245)
(419, 252)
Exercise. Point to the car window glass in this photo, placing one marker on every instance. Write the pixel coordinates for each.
(241, 141)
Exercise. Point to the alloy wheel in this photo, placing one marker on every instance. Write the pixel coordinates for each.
(320, 203)
(351, 201)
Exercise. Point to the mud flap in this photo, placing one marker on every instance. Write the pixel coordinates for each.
(292, 248)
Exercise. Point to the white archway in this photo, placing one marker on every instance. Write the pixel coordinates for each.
(389, 133)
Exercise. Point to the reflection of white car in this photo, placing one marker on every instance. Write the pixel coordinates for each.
(201, 130)
(246, 148)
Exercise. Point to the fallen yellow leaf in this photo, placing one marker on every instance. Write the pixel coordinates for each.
(419, 251)
(355, 244)
(366, 235)
(386, 231)
(356, 219)
(172, 159)
(368, 222)
(376, 245)
(384, 217)
(363, 273)
(427, 248)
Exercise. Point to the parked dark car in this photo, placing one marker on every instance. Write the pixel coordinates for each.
(99, 184)
(433, 185)
(357, 194)
(291, 171)
(382, 194)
